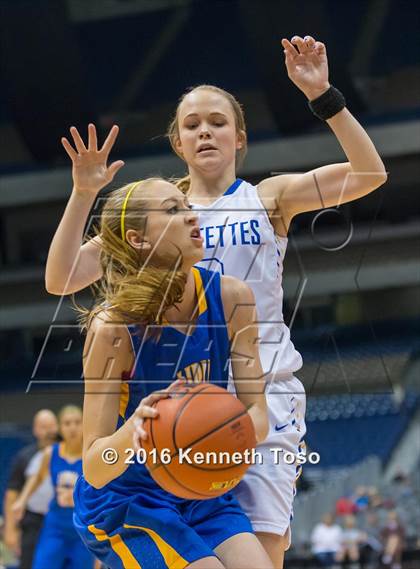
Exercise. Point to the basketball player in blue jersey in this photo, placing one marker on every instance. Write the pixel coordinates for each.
(156, 319)
(245, 229)
(59, 546)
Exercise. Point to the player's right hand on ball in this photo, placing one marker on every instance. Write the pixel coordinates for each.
(145, 410)
(90, 170)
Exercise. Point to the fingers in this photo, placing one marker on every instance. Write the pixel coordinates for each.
(299, 45)
(145, 410)
(154, 397)
(289, 50)
(310, 42)
(175, 384)
(92, 138)
(139, 433)
(69, 149)
(114, 167)
(92, 144)
(320, 48)
(110, 139)
(78, 142)
(142, 412)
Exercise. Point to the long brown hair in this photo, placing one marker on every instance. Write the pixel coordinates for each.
(133, 289)
(173, 129)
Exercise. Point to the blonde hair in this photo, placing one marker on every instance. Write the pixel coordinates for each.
(132, 290)
(68, 409)
(184, 183)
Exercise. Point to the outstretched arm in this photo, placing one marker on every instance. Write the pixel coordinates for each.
(71, 266)
(334, 184)
(248, 375)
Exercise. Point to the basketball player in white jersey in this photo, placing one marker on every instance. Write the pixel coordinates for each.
(245, 235)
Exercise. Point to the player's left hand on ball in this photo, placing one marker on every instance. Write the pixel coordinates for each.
(145, 410)
(307, 65)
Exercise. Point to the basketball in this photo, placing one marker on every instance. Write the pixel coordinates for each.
(208, 433)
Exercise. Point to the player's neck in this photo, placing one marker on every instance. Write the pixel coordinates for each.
(207, 188)
(44, 443)
(73, 449)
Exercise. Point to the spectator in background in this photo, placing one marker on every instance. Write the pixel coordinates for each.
(361, 498)
(344, 506)
(401, 486)
(375, 499)
(371, 546)
(326, 541)
(351, 538)
(22, 540)
(400, 478)
(393, 535)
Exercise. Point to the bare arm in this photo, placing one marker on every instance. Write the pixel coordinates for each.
(31, 484)
(10, 497)
(71, 266)
(330, 185)
(11, 529)
(108, 353)
(248, 376)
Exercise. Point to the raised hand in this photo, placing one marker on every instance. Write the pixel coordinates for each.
(307, 65)
(90, 170)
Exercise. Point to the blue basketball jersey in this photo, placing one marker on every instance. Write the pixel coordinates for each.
(59, 545)
(63, 473)
(131, 521)
(199, 356)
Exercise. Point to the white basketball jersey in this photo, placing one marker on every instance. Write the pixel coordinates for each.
(240, 241)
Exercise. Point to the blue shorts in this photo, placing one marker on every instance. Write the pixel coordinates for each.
(60, 547)
(146, 534)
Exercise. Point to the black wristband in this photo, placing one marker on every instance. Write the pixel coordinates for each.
(328, 104)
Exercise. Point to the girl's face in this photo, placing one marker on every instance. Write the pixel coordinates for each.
(208, 139)
(71, 426)
(171, 227)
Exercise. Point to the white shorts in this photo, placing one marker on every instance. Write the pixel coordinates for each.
(267, 490)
